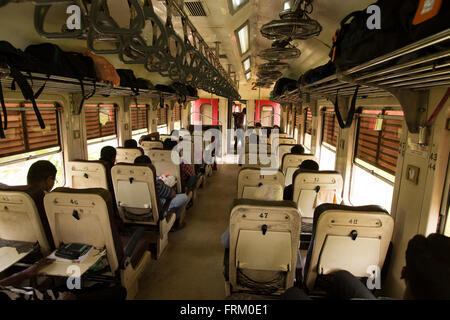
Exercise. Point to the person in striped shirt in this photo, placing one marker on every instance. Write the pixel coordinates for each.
(177, 201)
(188, 177)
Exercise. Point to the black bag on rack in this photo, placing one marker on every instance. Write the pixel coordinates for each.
(128, 80)
(144, 84)
(53, 61)
(354, 43)
(430, 20)
(318, 73)
(16, 60)
(164, 88)
(182, 91)
(192, 91)
(283, 85)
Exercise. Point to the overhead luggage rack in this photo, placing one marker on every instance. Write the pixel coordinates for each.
(406, 74)
(288, 97)
(57, 84)
(377, 77)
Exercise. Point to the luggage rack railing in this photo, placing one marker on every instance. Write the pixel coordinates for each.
(57, 84)
(432, 70)
(425, 72)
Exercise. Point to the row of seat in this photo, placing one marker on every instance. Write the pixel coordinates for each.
(266, 232)
(117, 209)
(265, 236)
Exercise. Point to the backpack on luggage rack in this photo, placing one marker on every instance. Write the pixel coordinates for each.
(16, 61)
(56, 62)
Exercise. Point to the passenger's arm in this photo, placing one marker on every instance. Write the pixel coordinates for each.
(28, 273)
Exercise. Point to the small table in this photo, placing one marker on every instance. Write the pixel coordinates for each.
(10, 256)
(66, 268)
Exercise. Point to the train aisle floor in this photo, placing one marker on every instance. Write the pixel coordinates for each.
(191, 268)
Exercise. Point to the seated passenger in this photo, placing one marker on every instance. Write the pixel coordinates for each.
(132, 144)
(188, 176)
(310, 165)
(426, 274)
(154, 136)
(42, 174)
(177, 201)
(298, 149)
(108, 154)
(9, 289)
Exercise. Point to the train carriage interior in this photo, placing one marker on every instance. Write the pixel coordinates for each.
(224, 150)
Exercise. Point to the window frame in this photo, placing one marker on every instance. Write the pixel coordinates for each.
(139, 130)
(236, 32)
(22, 109)
(324, 143)
(101, 138)
(364, 164)
(232, 9)
(12, 158)
(261, 113)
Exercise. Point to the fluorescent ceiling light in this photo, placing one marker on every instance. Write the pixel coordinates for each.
(247, 64)
(237, 3)
(243, 35)
(287, 5)
(248, 75)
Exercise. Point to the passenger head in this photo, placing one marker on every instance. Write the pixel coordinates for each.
(276, 127)
(108, 154)
(168, 144)
(142, 160)
(298, 149)
(309, 165)
(43, 174)
(130, 143)
(427, 268)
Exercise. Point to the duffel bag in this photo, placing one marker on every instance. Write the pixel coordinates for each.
(354, 43)
(128, 80)
(318, 73)
(284, 84)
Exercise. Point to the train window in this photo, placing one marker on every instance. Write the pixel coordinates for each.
(297, 122)
(27, 143)
(139, 120)
(308, 130)
(236, 5)
(206, 111)
(329, 140)
(101, 128)
(162, 121)
(176, 117)
(375, 161)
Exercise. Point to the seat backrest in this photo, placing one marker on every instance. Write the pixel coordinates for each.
(280, 136)
(287, 141)
(264, 242)
(22, 217)
(135, 191)
(150, 145)
(282, 150)
(254, 161)
(128, 155)
(84, 216)
(162, 161)
(312, 188)
(355, 239)
(250, 180)
(290, 163)
(85, 174)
